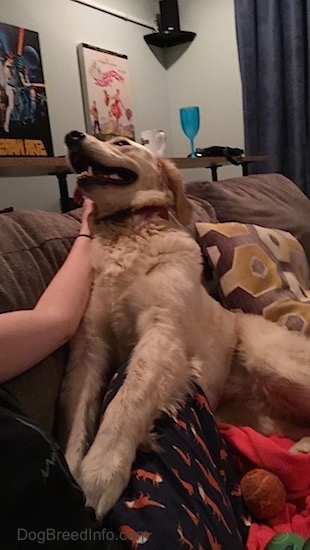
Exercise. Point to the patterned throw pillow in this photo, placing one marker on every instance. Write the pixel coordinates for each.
(259, 270)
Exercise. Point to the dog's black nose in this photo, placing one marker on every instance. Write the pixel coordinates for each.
(74, 138)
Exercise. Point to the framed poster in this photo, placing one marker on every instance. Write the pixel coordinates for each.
(24, 120)
(106, 93)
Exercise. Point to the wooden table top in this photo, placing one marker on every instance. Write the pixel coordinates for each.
(45, 166)
(33, 166)
(208, 162)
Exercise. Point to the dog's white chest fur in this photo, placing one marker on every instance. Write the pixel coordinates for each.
(124, 263)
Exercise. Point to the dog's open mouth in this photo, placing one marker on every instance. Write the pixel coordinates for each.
(91, 172)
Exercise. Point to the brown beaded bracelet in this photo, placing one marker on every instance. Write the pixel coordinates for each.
(84, 235)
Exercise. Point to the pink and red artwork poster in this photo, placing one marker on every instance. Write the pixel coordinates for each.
(106, 92)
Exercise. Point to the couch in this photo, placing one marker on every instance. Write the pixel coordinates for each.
(34, 244)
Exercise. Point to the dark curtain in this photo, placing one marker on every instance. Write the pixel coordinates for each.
(274, 54)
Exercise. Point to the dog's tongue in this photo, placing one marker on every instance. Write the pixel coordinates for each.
(77, 196)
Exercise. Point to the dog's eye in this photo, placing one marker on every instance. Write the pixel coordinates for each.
(121, 142)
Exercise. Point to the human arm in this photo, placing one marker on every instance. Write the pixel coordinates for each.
(27, 337)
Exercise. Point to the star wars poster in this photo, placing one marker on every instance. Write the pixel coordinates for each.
(24, 121)
(106, 94)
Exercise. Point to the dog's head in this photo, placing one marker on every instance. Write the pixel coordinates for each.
(121, 174)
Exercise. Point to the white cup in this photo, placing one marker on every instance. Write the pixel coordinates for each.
(154, 140)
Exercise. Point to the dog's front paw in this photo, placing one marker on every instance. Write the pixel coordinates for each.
(103, 482)
(302, 446)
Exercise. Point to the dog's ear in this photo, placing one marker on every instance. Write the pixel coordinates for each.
(173, 180)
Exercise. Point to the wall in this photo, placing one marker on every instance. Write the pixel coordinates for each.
(62, 25)
(206, 74)
(140, 9)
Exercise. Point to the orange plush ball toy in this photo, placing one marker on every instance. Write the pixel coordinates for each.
(263, 492)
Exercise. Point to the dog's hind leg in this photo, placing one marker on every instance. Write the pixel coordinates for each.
(302, 446)
(278, 360)
(81, 394)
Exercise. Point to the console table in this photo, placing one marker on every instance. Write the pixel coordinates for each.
(57, 166)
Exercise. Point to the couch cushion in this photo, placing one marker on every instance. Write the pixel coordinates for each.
(269, 200)
(33, 245)
(259, 270)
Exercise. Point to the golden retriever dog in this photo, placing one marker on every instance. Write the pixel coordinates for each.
(149, 309)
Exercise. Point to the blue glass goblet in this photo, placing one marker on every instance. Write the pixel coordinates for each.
(190, 122)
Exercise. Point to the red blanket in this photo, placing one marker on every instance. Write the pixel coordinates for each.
(253, 450)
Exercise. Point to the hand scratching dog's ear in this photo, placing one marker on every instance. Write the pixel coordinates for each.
(173, 180)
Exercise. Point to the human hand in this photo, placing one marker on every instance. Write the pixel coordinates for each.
(87, 219)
